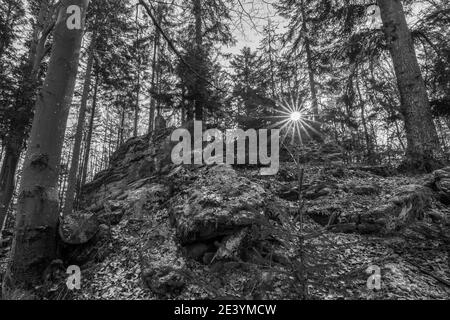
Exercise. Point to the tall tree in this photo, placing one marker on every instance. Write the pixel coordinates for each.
(309, 60)
(138, 72)
(305, 19)
(155, 57)
(72, 179)
(251, 90)
(34, 245)
(11, 14)
(87, 150)
(199, 84)
(18, 117)
(423, 143)
(269, 55)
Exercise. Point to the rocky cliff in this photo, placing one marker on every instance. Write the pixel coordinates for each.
(167, 231)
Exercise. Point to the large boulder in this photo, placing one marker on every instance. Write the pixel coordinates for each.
(218, 204)
(83, 238)
(78, 228)
(217, 213)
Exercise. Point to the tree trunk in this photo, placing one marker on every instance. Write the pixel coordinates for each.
(89, 135)
(199, 85)
(138, 71)
(369, 144)
(17, 136)
(122, 128)
(74, 166)
(312, 81)
(153, 88)
(315, 126)
(2, 151)
(271, 60)
(159, 72)
(106, 139)
(63, 178)
(154, 67)
(34, 245)
(423, 143)
(7, 173)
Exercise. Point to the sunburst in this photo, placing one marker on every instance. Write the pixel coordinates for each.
(296, 116)
(296, 119)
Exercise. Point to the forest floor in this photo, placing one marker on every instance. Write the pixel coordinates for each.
(412, 265)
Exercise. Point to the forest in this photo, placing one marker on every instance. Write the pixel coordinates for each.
(99, 198)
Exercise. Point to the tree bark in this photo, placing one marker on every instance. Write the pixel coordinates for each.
(367, 137)
(106, 140)
(7, 174)
(17, 136)
(34, 245)
(74, 166)
(423, 143)
(312, 81)
(314, 131)
(121, 128)
(89, 135)
(138, 71)
(153, 86)
(199, 83)
(63, 180)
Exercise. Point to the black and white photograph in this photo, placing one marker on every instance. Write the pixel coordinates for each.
(222, 158)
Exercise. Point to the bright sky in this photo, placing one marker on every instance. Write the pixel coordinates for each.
(250, 20)
(248, 31)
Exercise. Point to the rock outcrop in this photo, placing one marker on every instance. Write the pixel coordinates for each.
(135, 161)
(178, 215)
(218, 204)
(190, 222)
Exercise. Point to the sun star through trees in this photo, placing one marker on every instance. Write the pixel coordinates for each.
(295, 119)
(296, 116)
